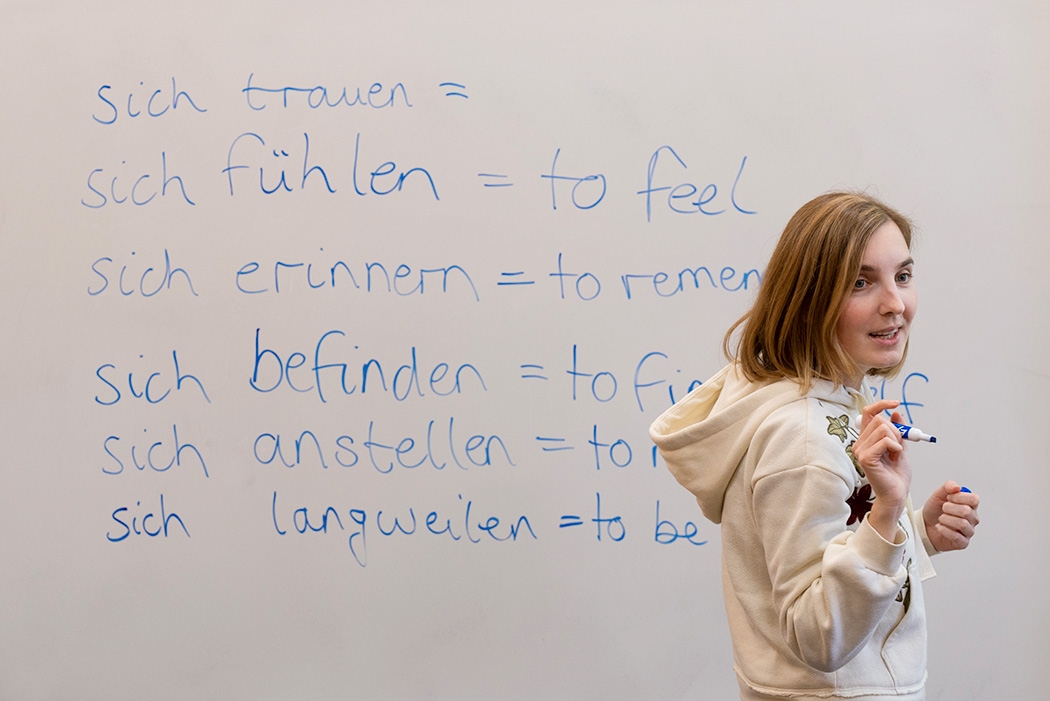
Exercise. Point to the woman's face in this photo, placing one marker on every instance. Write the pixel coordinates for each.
(874, 325)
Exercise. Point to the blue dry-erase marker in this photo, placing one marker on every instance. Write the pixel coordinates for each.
(965, 489)
(910, 433)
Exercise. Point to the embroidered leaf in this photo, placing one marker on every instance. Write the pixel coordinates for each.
(838, 426)
(853, 458)
(904, 595)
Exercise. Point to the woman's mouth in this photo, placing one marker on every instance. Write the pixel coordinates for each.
(887, 335)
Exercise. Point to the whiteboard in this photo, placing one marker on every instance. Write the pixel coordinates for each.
(332, 331)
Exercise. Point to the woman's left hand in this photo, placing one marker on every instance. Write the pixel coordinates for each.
(950, 516)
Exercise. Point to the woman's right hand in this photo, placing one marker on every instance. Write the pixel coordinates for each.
(882, 455)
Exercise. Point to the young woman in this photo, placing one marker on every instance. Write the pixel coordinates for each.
(822, 556)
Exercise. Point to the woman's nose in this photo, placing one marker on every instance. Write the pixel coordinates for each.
(892, 302)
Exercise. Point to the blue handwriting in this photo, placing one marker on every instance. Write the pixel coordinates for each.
(157, 104)
(587, 286)
(141, 526)
(146, 389)
(392, 450)
(320, 96)
(384, 179)
(252, 278)
(905, 403)
(602, 385)
(578, 200)
(667, 532)
(104, 268)
(270, 370)
(462, 527)
(148, 460)
(679, 197)
(140, 194)
(659, 281)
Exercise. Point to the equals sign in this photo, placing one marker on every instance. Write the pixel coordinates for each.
(531, 376)
(454, 90)
(497, 177)
(553, 448)
(569, 521)
(510, 279)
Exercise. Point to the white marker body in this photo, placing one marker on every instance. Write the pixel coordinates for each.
(910, 433)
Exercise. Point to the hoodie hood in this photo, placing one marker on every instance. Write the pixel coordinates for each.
(703, 437)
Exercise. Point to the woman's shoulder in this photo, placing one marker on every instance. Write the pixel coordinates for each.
(817, 430)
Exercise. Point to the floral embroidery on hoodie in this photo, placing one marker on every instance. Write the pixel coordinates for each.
(859, 504)
(862, 499)
(904, 595)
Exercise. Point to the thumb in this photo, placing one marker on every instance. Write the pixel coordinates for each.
(945, 490)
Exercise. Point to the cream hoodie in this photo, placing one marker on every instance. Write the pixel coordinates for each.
(819, 604)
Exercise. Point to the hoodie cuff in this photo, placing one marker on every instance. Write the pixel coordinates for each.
(879, 554)
(920, 530)
(926, 570)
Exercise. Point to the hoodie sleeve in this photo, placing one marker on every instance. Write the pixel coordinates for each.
(831, 586)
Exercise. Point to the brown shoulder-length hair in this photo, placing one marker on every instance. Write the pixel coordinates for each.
(790, 331)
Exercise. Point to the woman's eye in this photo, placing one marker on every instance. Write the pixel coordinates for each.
(860, 284)
(904, 277)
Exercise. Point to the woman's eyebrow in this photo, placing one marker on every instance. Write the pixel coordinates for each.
(903, 264)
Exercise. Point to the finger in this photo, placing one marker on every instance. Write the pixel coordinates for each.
(956, 540)
(885, 444)
(876, 408)
(956, 508)
(876, 428)
(945, 491)
(959, 510)
(966, 498)
(965, 512)
(957, 525)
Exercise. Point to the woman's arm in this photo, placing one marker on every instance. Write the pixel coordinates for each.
(831, 586)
